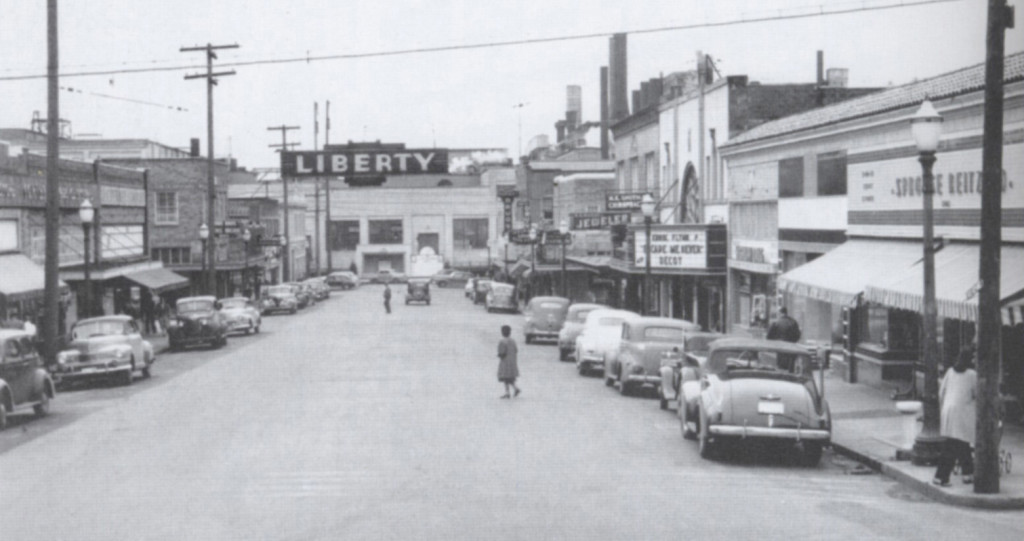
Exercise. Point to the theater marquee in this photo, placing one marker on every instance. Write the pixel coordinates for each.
(369, 163)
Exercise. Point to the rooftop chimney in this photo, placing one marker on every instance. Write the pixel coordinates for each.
(636, 101)
(193, 148)
(573, 105)
(617, 79)
(604, 112)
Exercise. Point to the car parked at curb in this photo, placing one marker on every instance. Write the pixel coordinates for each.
(644, 339)
(501, 296)
(544, 318)
(602, 332)
(317, 287)
(343, 280)
(388, 276)
(197, 321)
(303, 293)
(24, 383)
(240, 314)
(746, 393)
(451, 278)
(573, 326)
(104, 347)
(279, 298)
(690, 356)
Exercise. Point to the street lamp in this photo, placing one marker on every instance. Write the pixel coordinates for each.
(926, 126)
(647, 208)
(285, 274)
(563, 229)
(86, 213)
(533, 256)
(204, 235)
(246, 236)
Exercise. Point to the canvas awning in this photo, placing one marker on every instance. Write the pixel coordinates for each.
(20, 277)
(840, 275)
(956, 282)
(158, 280)
(1013, 312)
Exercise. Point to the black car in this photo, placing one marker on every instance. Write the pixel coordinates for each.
(418, 290)
(198, 321)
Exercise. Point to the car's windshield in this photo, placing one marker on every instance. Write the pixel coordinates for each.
(581, 315)
(663, 334)
(195, 306)
(503, 289)
(699, 344)
(550, 306)
(89, 329)
(279, 291)
(753, 359)
(232, 303)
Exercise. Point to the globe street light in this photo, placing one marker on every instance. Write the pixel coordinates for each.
(647, 208)
(533, 256)
(563, 229)
(87, 213)
(246, 237)
(926, 126)
(285, 268)
(204, 234)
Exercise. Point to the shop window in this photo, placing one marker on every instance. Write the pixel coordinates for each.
(172, 256)
(385, 231)
(166, 208)
(832, 173)
(344, 234)
(791, 177)
(469, 233)
(890, 330)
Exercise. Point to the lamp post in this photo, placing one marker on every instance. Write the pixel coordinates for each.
(285, 274)
(563, 229)
(926, 126)
(533, 256)
(204, 235)
(508, 235)
(246, 236)
(86, 213)
(647, 208)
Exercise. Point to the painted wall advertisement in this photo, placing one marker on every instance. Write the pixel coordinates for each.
(672, 249)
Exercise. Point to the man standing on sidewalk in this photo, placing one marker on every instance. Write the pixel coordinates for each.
(787, 329)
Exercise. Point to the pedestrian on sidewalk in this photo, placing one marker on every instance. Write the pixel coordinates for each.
(387, 298)
(508, 365)
(956, 420)
(788, 330)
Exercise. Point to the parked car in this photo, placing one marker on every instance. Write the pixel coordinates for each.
(197, 321)
(744, 394)
(417, 290)
(279, 298)
(602, 332)
(452, 278)
(572, 328)
(24, 383)
(388, 276)
(318, 287)
(690, 355)
(644, 339)
(501, 296)
(480, 290)
(240, 314)
(302, 294)
(544, 318)
(105, 347)
(343, 280)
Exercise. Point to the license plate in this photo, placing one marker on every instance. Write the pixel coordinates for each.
(771, 408)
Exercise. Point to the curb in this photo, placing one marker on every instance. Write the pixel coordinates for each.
(977, 501)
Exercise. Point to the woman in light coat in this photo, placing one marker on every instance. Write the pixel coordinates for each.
(957, 418)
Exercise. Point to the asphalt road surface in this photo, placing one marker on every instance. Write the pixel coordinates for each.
(342, 422)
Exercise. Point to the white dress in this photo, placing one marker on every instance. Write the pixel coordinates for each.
(956, 396)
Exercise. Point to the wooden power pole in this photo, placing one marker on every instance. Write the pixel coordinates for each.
(51, 282)
(286, 262)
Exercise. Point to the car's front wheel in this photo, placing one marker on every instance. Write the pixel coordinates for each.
(3, 417)
(42, 409)
(704, 443)
(127, 377)
(684, 421)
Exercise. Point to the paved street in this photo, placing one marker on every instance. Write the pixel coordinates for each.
(344, 423)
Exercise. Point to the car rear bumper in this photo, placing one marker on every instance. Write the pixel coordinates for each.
(798, 434)
(643, 379)
(88, 371)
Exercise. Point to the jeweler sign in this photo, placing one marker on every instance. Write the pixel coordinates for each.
(371, 163)
(579, 221)
(673, 249)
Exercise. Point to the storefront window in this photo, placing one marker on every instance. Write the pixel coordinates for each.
(469, 233)
(385, 231)
(892, 330)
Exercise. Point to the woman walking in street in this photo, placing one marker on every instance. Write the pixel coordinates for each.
(957, 417)
(508, 366)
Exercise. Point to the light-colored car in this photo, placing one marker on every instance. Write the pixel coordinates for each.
(105, 347)
(24, 383)
(452, 278)
(240, 314)
(279, 298)
(343, 280)
(388, 276)
(501, 296)
(689, 356)
(544, 318)
(644, 339)
(572, 328)
(753, 389)
(602, 332)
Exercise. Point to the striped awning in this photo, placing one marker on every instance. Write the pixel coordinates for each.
(956, 282)
(20, 277)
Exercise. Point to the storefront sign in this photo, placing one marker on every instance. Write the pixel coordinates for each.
(520, 236)
(122, 196)
(672, 249)
(508, 194)
(19, 191)
(752, 251)
(369, 163)
(597, 220)
(623, 201)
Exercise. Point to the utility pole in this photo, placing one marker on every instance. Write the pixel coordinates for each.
(211, 191)
(327, 190)
(316, 189)
(989, 412)
(51, 283)
(286, 273)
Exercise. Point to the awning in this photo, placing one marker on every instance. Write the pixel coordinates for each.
(956, 282)
(20, 277)
(158, 280)
(518, 269)
(1013, 313)
(841, 274)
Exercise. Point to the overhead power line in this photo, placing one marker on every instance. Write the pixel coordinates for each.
(74, 90)
(494, 44)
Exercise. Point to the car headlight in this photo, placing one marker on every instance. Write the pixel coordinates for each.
(69, 356)
(174, 323)
(204, 321)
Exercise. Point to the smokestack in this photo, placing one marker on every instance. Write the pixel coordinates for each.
(657, 89)
(819, 93)
(604, 112)
(560, 129)
(636, 101)
(193, 148)
(645, 95)
(617, 81)
(573, 106)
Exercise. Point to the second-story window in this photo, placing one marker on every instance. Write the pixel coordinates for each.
(791, 177)
(166, 208)
(385, 231)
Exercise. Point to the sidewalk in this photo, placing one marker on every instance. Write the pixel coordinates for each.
(868, 428)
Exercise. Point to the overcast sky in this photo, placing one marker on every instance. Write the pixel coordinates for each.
(452, 99)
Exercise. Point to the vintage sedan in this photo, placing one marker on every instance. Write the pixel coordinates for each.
(343, 280)
(105, 347)
(318, 287)
(573, 326)
(599, 340)
(452, 278)
(745, 393)
(417, 290)
(689, 356)
(303, 293)
(240, 314)
(197, 321)
(502, 296)
(24, 383)
(644, 340)
(544, 318)
(279, 298)
(388, 276)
